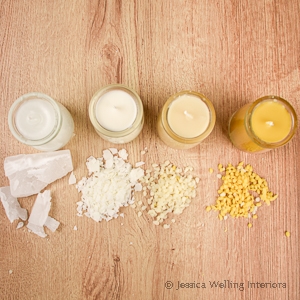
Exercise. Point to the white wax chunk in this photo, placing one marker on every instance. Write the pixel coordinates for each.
(20, 225)
(51, 223)
(107, 155)
(72, 178)
(28, 174)
(116, 110)
(39, 215)
(113, 150)
(35, 119)
(39, 230)
(11, 205)
(188, 116)
(40, 209)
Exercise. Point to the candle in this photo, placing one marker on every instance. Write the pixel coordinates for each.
(37, 120)
(269, 122)
(116, 110)
(185, 120)
(116, 113)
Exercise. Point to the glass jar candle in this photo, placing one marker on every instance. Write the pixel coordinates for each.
(185, 120)
(35, 119)
(267, 123)
(117, 113)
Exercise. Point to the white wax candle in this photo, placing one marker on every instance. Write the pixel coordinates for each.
(35, 119)
(188, 116)
(116, 110)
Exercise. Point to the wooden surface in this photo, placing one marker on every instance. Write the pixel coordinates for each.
(231, 51)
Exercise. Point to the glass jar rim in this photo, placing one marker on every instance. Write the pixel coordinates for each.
(248, 120)
(121, 133)
(180, 139)
(13, 128)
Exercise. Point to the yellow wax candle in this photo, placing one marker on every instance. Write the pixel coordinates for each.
(269, 122)
(186, 119)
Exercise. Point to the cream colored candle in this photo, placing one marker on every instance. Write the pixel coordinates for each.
(186, 119)
(188, 116)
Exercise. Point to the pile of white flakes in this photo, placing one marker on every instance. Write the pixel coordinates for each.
(110, 185)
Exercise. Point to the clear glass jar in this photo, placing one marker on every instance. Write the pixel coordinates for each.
(175, 140)
(36, 120)
(241, 127)
(132, 129)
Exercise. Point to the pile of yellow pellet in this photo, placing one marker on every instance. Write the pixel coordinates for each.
(234, 198)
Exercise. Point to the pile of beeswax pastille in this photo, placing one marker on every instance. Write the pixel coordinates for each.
(234, 197)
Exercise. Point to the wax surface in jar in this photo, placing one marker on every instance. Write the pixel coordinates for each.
(188, 116)
(271, 122)
(35, 119)
(116, 110)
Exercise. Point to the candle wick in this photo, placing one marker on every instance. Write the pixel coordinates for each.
(187, 114)
(270, 123)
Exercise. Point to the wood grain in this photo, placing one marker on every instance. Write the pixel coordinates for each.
(233, 52)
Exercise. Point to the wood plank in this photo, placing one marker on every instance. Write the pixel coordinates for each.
(233, 52)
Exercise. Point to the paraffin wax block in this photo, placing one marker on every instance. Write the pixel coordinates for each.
(40, 209)
(11, 205)
(39, 215)
(28, 174)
